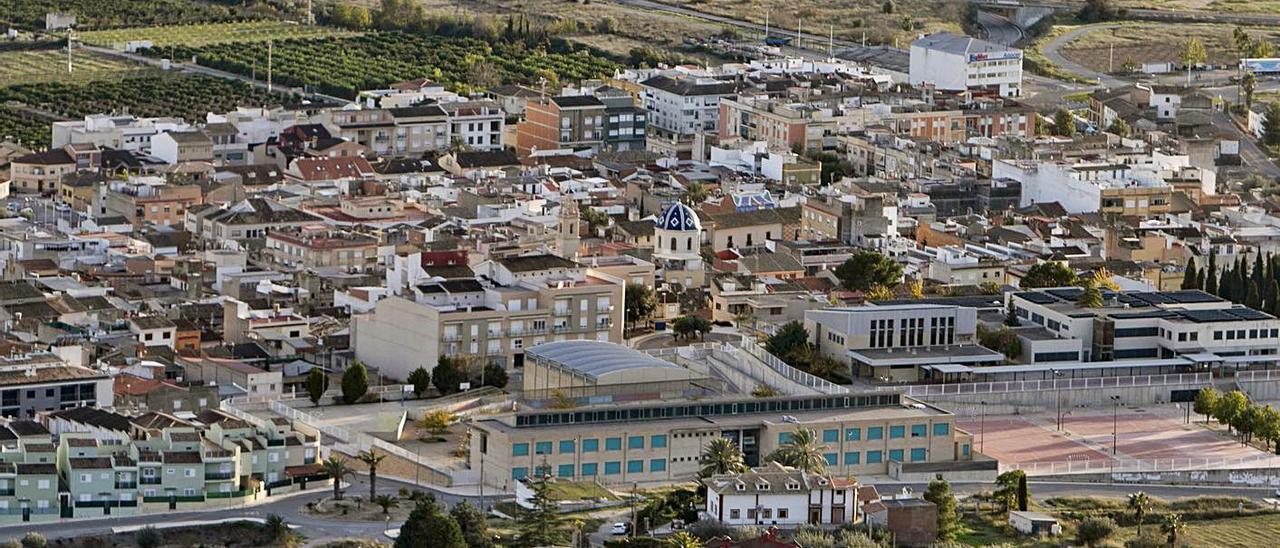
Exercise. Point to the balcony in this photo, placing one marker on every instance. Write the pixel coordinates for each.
(126, 485)
(7, 492)
(150, 481)
(218, 476)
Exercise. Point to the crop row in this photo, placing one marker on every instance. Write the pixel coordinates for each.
(342, 66)
(210, 33)
(30, 130)
(29, 14)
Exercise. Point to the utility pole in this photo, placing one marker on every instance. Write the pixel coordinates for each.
(268, 66)
(69, 31)
(799, 40)
(831, 43)
(766, 25)
(311, 15)
(1111, 58)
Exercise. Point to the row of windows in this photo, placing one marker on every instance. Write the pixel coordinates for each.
(707, 410)
(832, 435)
(1242, 334)
(590, 469)
(589, 445)
(854, 458)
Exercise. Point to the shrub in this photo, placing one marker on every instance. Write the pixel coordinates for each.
(1092, 531)
(34, 540)
(147, 537)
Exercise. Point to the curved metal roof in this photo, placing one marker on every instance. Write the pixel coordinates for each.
(594, 359)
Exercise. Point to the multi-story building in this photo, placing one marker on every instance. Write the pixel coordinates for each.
(848, 218)
(958, 63)
(128, 133)
(567, 121)
(149, 201)
(1130, 186)
(40, 171)
(516, 302)
(312, 247)
(251, 219)
(679, 108)
(898, 342)
(625, 122)
(780, 495)
(779, 123)
(37, 382)
(182, 146)
(476, 125)
(406, 131)
(624, 444)
(1132, 325)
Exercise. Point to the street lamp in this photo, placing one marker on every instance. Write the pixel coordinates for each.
(1115, 422)
(1057, 374)
(982, 426)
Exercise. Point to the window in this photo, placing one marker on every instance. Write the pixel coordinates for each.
(831, 436)
(635, 466)
(735, 514)
(919, 430)
(520, 450)
(564, 471)
(612, 468)
(964, 450)
(941, 429)
(566, 446)
(190, 473)
(542, 448)
(86, 478)
(874, 457)
(784, 438)
(918, 454)
(831, 458)
(783, 513)
(519, 473)
(852, 458)
(589, 469)
(657, 465)
(635, 442)
(895, 454)
(658, 442)
(875, 433)
(613, 444)
(896, 432)
(590, 446)
(852, 434)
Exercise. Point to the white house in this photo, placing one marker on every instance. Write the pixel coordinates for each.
(957, 63)
(780, 495)
(153, 330)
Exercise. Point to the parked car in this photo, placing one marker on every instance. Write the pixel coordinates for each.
(621, 528)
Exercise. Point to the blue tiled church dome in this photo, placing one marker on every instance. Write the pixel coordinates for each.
(679, 217)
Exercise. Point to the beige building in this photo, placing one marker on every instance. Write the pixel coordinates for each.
(514, 303)
(320, 247)
(860, 434)
(40, 171)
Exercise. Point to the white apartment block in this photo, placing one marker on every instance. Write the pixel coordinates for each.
(780, 495)
(958, 63)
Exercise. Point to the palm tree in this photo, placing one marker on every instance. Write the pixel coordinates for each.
(721, 456)
(1139, 502)
(684, 540)
(386, 502)
(279, 531)
(336, 467)
(1172, 526)
(802, 451)
(371, 460)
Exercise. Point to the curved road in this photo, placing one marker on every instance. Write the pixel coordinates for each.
(999, 29)
(1053, 51)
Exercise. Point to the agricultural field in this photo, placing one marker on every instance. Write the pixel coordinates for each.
(188, 97)
(343, 66)
(1156, 43)
(210, 33)
(97, 14)
(50, 65)
(29, 130)
(851, 18)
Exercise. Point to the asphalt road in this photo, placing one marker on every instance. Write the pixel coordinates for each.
(999, 29)
(290, 508)
(1048, 489)
(1053, 51)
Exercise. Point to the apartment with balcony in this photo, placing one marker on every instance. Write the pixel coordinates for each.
(475, 125)
(312, 247)
(149, 201)
(680, 107)
(568, 121)
(406, 132)
(513, 303)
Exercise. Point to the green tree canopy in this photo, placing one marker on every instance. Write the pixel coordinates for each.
(1206, 402)
(429, 527)
(317, 384)
(495, 375)
(788, 341)
(355, 382)
(1049, 274)
(638, 303)
(420, 378)
(475, 528)
(939, 493)
(1064, 124)
(867, 269)
(447, 375)
(720, 456)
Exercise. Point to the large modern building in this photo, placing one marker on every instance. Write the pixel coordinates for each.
(33, 383)
(896, 342)
(957, 63)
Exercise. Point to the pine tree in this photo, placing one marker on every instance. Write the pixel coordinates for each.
(428, 525)
(940, 495)
(538, 525)
(1189, 274)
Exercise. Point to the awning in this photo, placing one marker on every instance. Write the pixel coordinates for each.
(949, 368)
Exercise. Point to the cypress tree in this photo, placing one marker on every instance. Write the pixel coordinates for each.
(1273, 292)
(1258, 269)
(1189, 274)
(1253, 299)
(1200, 279)
(1211, 282)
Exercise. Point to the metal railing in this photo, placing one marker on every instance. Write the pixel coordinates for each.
(1036, 385)
(1267, 375)
(792, 374)
(1108, 466)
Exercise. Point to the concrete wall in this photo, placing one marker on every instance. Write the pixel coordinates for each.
(1242, 477)
(1042, 401)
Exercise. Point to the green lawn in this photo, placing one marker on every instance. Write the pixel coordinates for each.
(578, 490)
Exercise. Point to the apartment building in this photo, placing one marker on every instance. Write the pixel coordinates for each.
(567, 121)
(680, 107)
(785, 125)
(625, 444)
(899, 341)
(40, 171)
(149, 201)
(514, 303)
(311, 247)
(405, 132)
(476, 125)
(958, 63)
(848, 218)
(1131, 186)
(128, 133)
(36, 382)
(182, 146)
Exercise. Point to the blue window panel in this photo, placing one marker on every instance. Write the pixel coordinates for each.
(635, 466)
(635, 442)
(564, 471)
(919, 430)
(831, 436)
(590, 446)
(612, 468)
(918, 454)
(542, 471)
(852, 457)
(964, 449)
(831, 458)
(941, 429)
(875, 433)
(613, 444)
(589, 468)
(784, 438)
(896, 432)
(874, 457)
(542, 448)
(658, 442)
(520, 450)
(657, 465)
(566, 446)
(519, 473)
(852, 434)
(895, 454)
